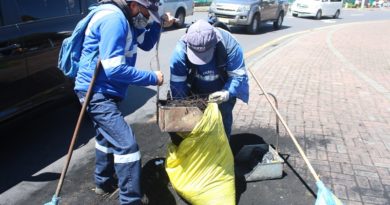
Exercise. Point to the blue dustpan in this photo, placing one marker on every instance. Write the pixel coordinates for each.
(325, 196)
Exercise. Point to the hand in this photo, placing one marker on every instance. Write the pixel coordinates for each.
(167, 20)
(219, 96)
(160, 77)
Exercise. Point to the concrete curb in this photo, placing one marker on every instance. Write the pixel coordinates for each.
(201, 9)
(275, 44)
(206, 9)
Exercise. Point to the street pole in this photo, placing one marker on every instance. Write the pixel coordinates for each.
(363, 3)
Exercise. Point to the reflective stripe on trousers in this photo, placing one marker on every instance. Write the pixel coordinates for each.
(116, 148)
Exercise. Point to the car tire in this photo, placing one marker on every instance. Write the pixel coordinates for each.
(278, 23)
(337, 14)
(319, 15)
(295, 15)
(181, 15)
(253, 28)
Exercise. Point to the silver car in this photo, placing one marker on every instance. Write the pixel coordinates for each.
(249, 13)
(178, 8)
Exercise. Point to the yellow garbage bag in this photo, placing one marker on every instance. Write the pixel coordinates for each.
(201, 168)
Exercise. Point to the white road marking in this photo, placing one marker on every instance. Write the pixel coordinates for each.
(357, 14)
(371, 82)
(328, 21)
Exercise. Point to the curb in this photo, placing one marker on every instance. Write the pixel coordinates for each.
(206, 9)
(274, 44)
(201, 9)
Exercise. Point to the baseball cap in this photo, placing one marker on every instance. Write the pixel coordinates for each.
(201, 41)
(152, 6)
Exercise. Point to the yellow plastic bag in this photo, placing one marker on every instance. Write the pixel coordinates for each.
(201, 168)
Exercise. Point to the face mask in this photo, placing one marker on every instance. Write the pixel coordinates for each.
(140, 21)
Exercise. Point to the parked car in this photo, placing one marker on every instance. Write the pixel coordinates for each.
(249, 13)
(317, 8)
(178, 8)
(30, 35)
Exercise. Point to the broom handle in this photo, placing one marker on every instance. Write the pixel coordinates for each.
(76, 130)
(316, 177)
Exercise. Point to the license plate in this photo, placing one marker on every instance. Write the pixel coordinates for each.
(223, 20)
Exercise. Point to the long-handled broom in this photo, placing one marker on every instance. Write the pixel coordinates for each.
(324, 195)
(55, 198)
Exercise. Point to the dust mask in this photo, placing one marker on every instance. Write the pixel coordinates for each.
(140, 21)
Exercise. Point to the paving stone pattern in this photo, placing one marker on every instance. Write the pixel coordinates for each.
(333, 90)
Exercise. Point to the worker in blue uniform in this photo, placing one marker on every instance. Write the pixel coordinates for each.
(112, 37)
(209, 61)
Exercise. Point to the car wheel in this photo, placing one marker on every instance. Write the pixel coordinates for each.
(278, 23)
(295, 15)
(319, 15)
(337, 14)
(181, 16)
(254, 26)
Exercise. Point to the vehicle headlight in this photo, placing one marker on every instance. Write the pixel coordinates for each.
(244, 8)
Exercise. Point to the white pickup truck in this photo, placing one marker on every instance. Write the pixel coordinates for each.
(177, 8)
(249, 13)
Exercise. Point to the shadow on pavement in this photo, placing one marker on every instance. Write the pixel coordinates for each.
(264, 28)
(156, 186)
(301, 179)
(155, 181)
(290, 188)
(322, 18)
(36, 142)
(79, 184)
(137, 97)
(238, 141)
(47, 176)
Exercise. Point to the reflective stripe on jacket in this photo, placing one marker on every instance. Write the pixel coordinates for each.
(116, 41)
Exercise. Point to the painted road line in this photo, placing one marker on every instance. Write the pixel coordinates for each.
(270, 43)
(276, 41)
(328, 21)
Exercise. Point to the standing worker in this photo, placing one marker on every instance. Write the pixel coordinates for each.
(209, 61)
(112, 37)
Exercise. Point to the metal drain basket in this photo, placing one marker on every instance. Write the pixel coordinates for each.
(255, 169)
(250, 158)
(177, 118)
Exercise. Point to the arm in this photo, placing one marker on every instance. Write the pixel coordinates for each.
(113, 33)
(178, 67)
(237, 83)
(147, 37)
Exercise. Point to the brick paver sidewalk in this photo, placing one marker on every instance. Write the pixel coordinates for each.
(333, 88)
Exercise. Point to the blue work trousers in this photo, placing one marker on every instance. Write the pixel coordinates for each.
(116, 148)
(226, 109)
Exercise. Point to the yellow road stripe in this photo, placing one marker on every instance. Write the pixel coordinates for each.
(268, 44)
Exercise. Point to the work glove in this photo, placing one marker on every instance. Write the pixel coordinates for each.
(219, 96)
(167, 20)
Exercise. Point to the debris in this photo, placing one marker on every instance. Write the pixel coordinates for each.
(192, 101)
